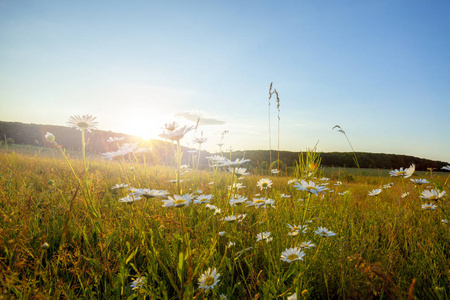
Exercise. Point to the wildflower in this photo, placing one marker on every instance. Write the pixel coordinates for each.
(236, 200)
(114, 139)
(295, 229)
(171, 126)
(338, 183)
(264, 183)
(49, 137)
(322, 231)
(176, 134)
(404, 173)
(432, 195)
(111, 155)
(222, 233)
(292, 254)
(430, 206)
(419, 181)
(306, 245)
(294, 180)
(200, 140)
(203, 199)
(310, 187)
(292, 297)
(232, 164)
(223, 297)
(285, 196)
(217, 211)
(138, 283)
(239, 172)
(343, 193)
(230, 244)
(119, 186)
(216, 158)
(129, 199)
(147, 193)
(233, 218)
(83, 122)
(258, 202)
(404, 195)
(264, 236)
(210, 206)
(45, 246)
(446, 168)
(208, 279)
(275, 171)
(236, 186)
(177, 201)
(445, 221)
(375, 192)
(386, 186)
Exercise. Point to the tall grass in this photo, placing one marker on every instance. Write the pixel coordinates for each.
(383, 248)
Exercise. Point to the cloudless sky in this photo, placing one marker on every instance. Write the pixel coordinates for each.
(379, 69)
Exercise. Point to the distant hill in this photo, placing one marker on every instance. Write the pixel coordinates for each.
(69, 138)
(345, 159)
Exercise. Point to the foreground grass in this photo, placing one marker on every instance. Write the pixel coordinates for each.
(384, 247)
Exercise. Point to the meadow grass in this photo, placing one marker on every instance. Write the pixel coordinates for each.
(52, 246)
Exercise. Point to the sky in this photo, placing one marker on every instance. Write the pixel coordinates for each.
(379, 69)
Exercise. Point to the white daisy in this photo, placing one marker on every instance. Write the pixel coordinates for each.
(264, 183)
(432, 195)
(292, 254)
(209, 279)
(419, 181)
(264, 236)
(177, 201)
(85, 122)
(430, 206)
(119, 186)
(138, 283)
(129, 199)
(176, 134)
(322, 231)
(404, 173)
(375, 192)
(310, 187)
(203, 199)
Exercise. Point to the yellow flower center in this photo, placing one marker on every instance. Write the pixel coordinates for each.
(433, 197)
(292, 257)
(209, 281)
(401, 173)
(83, 124)
(296, 228)
(309, 188)
(179, 202)
(259, 201)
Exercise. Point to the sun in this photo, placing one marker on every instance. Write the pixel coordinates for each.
(144, 126)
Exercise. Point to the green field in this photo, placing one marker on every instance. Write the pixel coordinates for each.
(64, 233)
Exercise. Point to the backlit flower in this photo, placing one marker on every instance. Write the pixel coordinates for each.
(446, 168)
(239, 172)
(264, 236)
(177, 201)
(176, 134)
(296, 229)
(264, 183)
(114, 139)
(375, 192)
(292, 254)
(147, 193)
(119, 186)
(274, 171)
(232, 164)
(419, 181)
(306, 245)
(310, 187)
(322, 231)
(138, 283)
(209, 279)
(130, 199)
(85, 122)
(203, 199)
(404, 173)
(236, 200)
(432, 195)
(430, 206)
(49, 137)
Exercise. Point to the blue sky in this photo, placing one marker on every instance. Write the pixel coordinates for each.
(379, 69)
